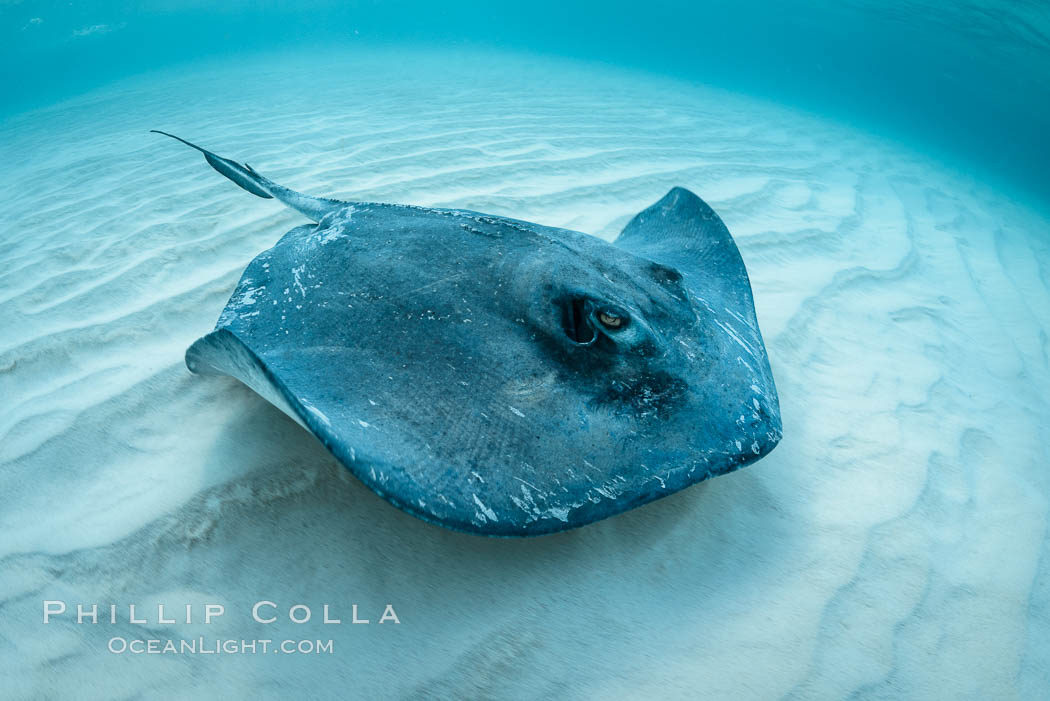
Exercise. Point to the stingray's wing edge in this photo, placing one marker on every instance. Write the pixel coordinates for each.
(682, 231)
(223, 353)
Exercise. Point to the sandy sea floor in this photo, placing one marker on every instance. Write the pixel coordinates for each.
(894, 545)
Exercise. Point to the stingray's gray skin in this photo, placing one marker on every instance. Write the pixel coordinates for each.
(463, 365)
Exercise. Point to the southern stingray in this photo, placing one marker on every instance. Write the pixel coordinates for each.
(497, 376)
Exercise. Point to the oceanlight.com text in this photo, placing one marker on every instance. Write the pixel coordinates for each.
(218, 646)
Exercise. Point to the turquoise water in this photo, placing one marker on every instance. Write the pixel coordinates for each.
(967, 80)
(883, 171)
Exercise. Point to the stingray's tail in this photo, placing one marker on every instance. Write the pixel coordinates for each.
(245, 176)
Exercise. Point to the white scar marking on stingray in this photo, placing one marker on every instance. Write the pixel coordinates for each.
(732, 334)
(316, 412)
(450, 278)
(319, 414)
(296, 272)
(740, 318)
(560, 512)
(528, 483)
(489, 513)
(248, 296)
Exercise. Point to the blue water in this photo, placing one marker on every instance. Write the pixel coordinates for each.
(883, 169)
(969, 81)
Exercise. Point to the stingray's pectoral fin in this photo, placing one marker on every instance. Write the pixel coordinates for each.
(223, 353)
(245, 176)
(682, 231)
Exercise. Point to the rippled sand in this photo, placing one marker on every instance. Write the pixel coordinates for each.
(895, 544)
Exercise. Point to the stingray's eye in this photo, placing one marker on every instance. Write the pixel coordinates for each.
(589, 322)
(611, 320)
